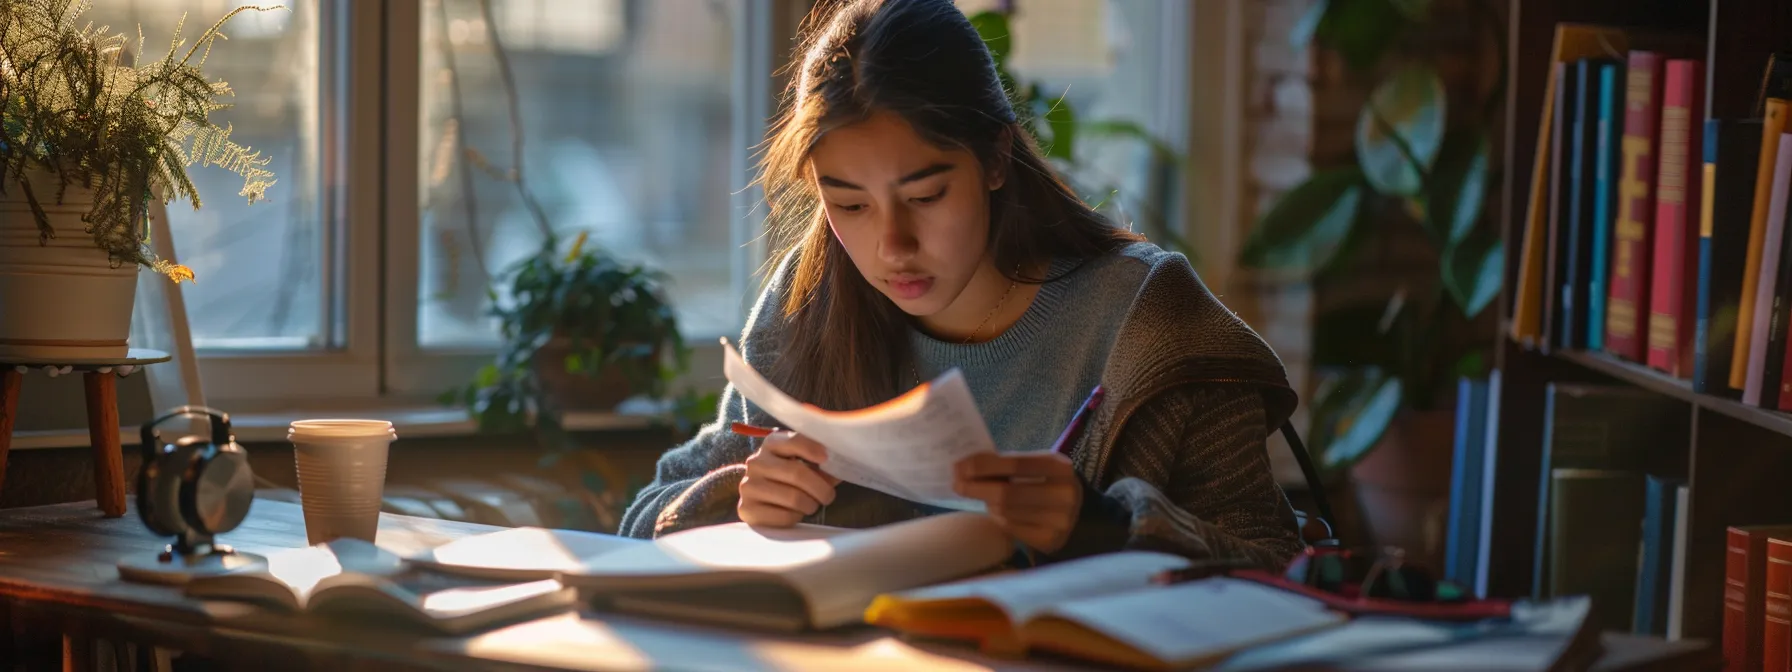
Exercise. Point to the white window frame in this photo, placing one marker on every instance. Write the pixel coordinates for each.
(348, 63)
(414, 374)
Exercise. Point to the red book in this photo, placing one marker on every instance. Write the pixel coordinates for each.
(1776, 631)
(1745, 567)
(1626, 309)
(1674, 280)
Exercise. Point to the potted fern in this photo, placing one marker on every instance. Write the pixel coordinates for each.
(87, 140)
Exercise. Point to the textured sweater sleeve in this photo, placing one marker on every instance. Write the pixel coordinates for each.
(1191, 476)
(697, 483)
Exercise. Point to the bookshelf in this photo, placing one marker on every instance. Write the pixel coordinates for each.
(1739, 458)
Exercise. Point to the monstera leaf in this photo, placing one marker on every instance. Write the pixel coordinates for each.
(1400, 130)
(1359, 30)
(1307, 224)
(1458, 187)
(1353, 414)
(1473, 271)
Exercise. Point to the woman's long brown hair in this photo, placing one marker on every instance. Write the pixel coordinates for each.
(845, 344)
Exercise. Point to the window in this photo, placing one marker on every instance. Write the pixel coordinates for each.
(393, 130)
(1115, 61)
(258, 267)
(624, 111)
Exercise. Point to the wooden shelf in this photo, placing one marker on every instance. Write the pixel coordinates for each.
(1651, 379)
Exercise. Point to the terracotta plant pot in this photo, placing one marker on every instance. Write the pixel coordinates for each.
(62, 298)
(569, 391)
(1403, 486)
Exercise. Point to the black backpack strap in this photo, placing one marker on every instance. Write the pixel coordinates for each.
(1317, 488)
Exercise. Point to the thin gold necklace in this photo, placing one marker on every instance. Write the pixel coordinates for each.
(974, 332)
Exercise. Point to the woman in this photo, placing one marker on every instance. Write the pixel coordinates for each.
(929, 233)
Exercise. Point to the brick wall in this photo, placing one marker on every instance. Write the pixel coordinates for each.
(1277, 155)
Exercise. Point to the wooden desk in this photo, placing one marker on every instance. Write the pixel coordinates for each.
(58, 575)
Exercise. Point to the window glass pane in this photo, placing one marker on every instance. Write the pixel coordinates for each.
(258, 280)
(625, 110)
(1107, 58)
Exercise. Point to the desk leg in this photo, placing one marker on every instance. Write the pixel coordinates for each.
(77, 653)
(10, 382)
(102, 433)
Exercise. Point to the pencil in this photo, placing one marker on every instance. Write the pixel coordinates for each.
(745, 429)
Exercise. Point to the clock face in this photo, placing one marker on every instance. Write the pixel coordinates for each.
(223, 492)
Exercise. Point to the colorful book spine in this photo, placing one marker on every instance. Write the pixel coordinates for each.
(1732, 149)
(1776, 606)
(1767, 276)
(1605, 183)
(1672, 290)
(1773, 123)
(1736, 591)
(1572, 41)
(1629, 296)
(1745, 580)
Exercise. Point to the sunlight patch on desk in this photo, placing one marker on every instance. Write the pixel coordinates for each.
(565, 641)
(885, 653)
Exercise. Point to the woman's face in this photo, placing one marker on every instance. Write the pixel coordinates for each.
(914, 217)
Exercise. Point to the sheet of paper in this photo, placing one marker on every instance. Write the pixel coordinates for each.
(905, 447)
(1025, 593)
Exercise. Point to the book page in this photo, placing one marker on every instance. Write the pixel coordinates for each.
(1024, 593)
(905, 447)
(520, 552)
(1187, 623)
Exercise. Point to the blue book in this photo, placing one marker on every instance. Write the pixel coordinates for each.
(1467, 468)
(1605, 187)
(1732, 149)
(1656, 567)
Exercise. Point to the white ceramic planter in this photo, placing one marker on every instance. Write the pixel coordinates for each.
(61, 298)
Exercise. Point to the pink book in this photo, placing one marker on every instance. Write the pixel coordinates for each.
(1770, 268)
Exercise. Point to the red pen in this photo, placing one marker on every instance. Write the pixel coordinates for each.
(745, 429)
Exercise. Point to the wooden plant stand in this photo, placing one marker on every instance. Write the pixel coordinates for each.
(101, 379)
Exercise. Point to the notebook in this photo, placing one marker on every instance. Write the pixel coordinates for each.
(353, 578)
(799, 578)
(520, 553)
(1105, 608)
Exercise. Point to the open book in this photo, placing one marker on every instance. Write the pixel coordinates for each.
(905, 446)
(520, 553)
(797, 578)
(1106, 608)
(350, 577)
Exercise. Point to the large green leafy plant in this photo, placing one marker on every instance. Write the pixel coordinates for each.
(1421, 163)
(71, 109)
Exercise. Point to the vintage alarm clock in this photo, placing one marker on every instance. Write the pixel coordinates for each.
(193, 488)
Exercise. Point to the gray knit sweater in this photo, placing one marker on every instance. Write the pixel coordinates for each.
(1192, 392)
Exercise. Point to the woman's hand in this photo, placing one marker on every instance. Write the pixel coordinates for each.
(1035, 497)
(782, 485)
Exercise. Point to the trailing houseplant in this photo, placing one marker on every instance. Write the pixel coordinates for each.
(73, 115)
(1422, 169)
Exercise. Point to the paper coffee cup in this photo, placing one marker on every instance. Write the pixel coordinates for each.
(342, 474)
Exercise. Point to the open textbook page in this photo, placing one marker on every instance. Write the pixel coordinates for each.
(905, 446)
